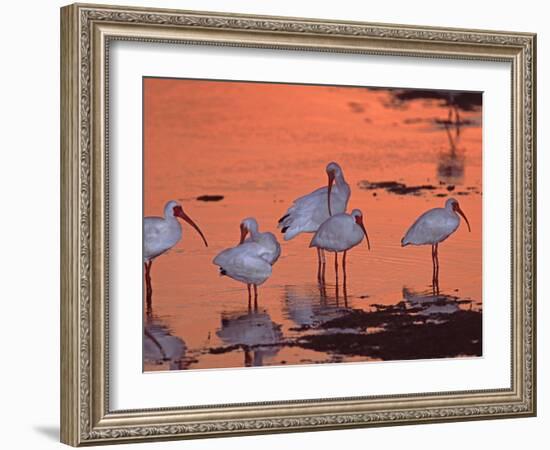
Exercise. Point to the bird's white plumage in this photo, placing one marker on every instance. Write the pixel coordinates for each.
(308, 212)
(246, 263)
(266, 239)
(433, 227)
(251, 261)
(339, 233)
(160, 233)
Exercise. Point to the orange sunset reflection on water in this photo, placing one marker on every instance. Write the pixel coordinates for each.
(260, 146)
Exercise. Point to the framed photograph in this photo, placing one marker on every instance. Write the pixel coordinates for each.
(276, 225)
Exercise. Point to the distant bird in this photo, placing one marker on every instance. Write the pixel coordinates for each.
(160, 234)
(267, 240)
(308, 212)
(250, 261)
(340, 233)
(433, 227)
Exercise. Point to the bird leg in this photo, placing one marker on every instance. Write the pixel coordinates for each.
(318, 264)
(436, 269)
(148, 287)
(249, 297)
(336, 271)
(322, 294)
(345, 287)
(433, 266)
(345, 290)
(344, 267)
(336, 266)
(255, 297)
(324, 262)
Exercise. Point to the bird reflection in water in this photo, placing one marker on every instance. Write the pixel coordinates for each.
(432, 304)
(309, 306)
(254, 332)
(450, 167)
(427, 304)
(161, 347)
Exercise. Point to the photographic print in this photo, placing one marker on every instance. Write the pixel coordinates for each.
(302, 196)
(291, 224)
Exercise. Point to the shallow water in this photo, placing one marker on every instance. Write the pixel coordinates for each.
(260, 146)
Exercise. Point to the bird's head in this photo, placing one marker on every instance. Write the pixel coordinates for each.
(169, 208)
(174, 209)
(333, 171)
(248, 225)
(358, 217)
(334, 168)
(453, 205)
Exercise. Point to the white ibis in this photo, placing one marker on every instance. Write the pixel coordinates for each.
(308, 212)
(250, 262)
(340, 233)
(433, 227)
(267, 240)
(160, 234)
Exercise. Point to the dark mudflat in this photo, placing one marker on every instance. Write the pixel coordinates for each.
(403, 331)
(404, 336)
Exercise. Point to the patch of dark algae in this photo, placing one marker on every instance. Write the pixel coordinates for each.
(210, 198)
(404, 336)
(395, 187)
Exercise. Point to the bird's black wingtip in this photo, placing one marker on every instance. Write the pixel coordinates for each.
(222, 272)
(283, 218)
(283, 230)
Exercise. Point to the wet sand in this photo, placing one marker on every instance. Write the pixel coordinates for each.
(231, 150)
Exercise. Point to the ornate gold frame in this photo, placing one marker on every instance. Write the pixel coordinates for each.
(86, 31)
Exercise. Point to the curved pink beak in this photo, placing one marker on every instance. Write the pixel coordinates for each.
(359, 221)
(330, 181)
(459, 211)
(178, 211)
(244, 232)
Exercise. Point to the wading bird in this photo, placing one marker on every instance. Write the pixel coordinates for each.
(160, 234)
(308, 212)
(339, 233)
(433, 227)
(250, 261)
(266, 239)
